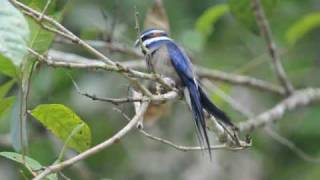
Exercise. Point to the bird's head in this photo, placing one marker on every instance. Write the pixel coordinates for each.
(151, 38)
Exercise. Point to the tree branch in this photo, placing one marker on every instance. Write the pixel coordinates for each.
(239, 80)
(266, 33)
(103, 45)
(191, 148)
(69, 60)
(297, 99)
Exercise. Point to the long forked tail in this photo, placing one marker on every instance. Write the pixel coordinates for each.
(213, 109)
(198, 114)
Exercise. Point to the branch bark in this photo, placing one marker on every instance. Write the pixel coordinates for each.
(272, 49)
(69, 60)
(298, 99)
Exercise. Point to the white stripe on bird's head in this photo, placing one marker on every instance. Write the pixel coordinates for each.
(150, 34)
(148, 42)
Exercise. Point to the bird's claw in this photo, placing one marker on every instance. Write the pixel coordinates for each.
(139, 125)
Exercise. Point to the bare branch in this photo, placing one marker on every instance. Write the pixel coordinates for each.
(137, 27)
(69, 60)
(115, 138)
(115, 101)
(239, 79)
(116, 47)
(297, 99)
(191, 148)
(81, 168)
(267, 34)
(111, 46)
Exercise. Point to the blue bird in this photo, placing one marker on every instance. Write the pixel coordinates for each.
(166, 58)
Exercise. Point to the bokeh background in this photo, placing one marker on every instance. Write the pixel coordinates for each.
(229, 46)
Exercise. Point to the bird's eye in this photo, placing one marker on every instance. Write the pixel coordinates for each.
(157, 34)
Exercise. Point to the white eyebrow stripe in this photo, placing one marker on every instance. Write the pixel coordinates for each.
(152, 31)
(152, 40)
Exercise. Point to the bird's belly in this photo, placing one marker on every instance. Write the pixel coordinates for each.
(166, 69)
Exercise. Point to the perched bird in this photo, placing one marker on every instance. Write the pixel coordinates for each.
(169, 60)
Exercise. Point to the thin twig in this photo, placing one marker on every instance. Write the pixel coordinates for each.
(137, 27)
(191, 148)
(114, 101)
(267, 34)
(45, 9)
(181, 147)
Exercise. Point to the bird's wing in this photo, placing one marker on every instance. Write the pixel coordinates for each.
(181, 62)
(183, 66)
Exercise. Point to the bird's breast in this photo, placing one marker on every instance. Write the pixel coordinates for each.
(162, 65)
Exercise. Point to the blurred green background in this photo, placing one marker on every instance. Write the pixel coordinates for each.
(230, 42)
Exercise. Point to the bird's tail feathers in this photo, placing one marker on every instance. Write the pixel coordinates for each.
(213, 109)
(198, 113)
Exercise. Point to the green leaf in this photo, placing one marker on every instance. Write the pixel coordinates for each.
(61, 121)
(6, 87)
(7, 67)
(14, 33)
(31, 163)
(302, 26)
(76, 130)
(6, 104)
(243, 12)
(206, 21)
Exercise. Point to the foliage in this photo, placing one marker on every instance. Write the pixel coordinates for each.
(7, 67)
(302, 26)
(206, 21)
(14, 34)
(243, 12)
(27, 162)
(225, 46)
(62, 121)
